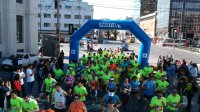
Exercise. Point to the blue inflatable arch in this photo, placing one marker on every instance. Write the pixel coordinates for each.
(112, 25)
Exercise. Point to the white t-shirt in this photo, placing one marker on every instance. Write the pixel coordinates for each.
(29, 77)
(22, 79)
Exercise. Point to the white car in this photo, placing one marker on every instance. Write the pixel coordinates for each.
(24, 59)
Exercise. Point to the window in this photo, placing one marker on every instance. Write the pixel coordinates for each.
(67, 16)
(0, 54)
(55, 15)
(47, 24)
(78, 7)
(39, 15)
(19, 1)
(47, 15)
(68, 7)
(65, 25)
(77, 16)
(20, 50)
(19, 28)
(26, 56)
(87, 17)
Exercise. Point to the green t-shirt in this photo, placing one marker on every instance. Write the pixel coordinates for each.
(73, 65)
(71, 72)
(116, 78)
(105, 78)
(148, 70)
(173, 101)
(58, 73)
(89, 77)
(16, 104)
(80, 91)
(159, 74)
(100, 74)
(84, 59)
(157, 104)
(111, 73)
(48, 82)
(162, 85)
(104, 67)
(96, 67)
(30, 106)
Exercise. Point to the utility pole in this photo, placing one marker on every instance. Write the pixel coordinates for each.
(40, 35)
(58, 27)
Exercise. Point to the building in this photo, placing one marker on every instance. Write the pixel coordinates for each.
(18, 31)
(178, 19)
(136, 11)
(148, 7)
(148, 24)
(73, 12)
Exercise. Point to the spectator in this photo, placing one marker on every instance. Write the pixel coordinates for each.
(30, 78)
(17, 85)
(15, 62)
(22, 76)
(171, 73)
(193, 70)
(4, 88)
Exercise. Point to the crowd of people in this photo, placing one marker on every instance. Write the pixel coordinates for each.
(111, 77)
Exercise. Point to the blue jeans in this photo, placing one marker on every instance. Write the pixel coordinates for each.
(30, 87)
(40, 86)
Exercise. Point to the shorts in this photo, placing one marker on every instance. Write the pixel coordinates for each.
(148, 97)
(48, 93)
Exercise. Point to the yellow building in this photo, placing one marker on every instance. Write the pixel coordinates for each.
(148, 24)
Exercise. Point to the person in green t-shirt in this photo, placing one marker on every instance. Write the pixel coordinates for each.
(29, 104)
(72, 64)
(105, 78)
(160, 73)
(173, 101)
(58, 74)
(15, 102)
(162, 84)
(71, 71)
(48, 82)
(81, 91)
(158, 103)
(84, 59)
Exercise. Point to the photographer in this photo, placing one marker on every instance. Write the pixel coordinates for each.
(4, 89)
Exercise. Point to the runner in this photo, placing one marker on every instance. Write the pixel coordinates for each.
(81, 91)
(173, 101)
(126, 89)
(48, 82)
(94, 86)
(59, 97)
(158, 103)
(111, 107)
(77, 105)
(15, 102)
(29, 104)
(69, 81)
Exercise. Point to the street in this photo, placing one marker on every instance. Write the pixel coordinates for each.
(155, 52)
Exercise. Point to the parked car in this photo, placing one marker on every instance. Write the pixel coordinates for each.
(124, 47)
(24, 59)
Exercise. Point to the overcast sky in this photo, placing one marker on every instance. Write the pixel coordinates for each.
(112, 9)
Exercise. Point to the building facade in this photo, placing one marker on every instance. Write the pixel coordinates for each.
(147, 23)
(73, 12)
(148, 7)
(18, 31)
(178, 19)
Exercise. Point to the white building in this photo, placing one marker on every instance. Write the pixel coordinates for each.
(18, 27)
(73, 12)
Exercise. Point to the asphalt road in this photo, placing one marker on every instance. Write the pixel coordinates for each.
(155, 52)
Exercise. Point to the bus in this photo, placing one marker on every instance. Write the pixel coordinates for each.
(174, 42)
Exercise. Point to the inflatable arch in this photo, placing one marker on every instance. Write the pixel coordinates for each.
(112, 25)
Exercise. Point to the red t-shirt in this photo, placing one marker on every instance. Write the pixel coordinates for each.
(17, 85)
(94, 85)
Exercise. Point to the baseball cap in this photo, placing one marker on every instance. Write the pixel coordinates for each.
(70, 68)
(112, 79)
